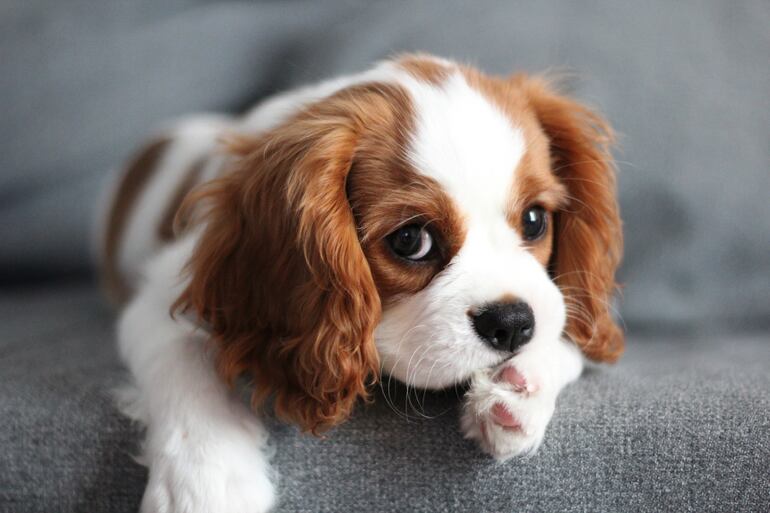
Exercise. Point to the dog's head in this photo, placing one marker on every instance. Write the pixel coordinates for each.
(425, 222)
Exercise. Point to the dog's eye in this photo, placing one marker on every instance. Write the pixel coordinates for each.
(413, 242)
(534, 222)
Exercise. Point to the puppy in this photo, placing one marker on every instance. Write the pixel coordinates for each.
(420, 220)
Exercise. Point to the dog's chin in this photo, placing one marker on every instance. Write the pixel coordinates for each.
(443, 369)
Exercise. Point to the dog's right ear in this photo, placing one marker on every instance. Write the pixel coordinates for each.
(278, 273)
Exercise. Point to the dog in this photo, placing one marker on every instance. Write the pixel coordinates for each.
(420, 220)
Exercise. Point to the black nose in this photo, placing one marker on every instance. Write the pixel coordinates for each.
(505, 326)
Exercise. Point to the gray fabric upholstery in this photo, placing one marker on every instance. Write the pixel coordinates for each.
(685, 84)
(681, 424)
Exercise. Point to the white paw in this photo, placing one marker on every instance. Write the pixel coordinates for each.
(203, 480)
(508, 408)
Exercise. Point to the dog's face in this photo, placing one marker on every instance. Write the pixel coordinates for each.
(466, 268)
(425, 223)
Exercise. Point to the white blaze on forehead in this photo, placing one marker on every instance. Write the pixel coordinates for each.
(465, 143)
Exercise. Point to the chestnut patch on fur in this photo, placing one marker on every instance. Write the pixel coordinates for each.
(425, 68)
(386, 192)
(136, 177)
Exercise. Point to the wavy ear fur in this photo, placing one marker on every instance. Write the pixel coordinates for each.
(588, 237)
(279, 275)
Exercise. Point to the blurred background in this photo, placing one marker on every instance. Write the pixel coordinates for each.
(686, 85)
(680, 424)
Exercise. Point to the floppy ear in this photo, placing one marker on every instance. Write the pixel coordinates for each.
(588, 238)
(278, 273)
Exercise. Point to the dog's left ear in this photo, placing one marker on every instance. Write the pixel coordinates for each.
(588, 238)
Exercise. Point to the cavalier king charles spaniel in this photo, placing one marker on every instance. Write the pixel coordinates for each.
(420, 220)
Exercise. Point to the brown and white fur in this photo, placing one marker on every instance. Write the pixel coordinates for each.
(282, 267)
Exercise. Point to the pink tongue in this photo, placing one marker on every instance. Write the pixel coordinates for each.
(503, 417)
(512, 376)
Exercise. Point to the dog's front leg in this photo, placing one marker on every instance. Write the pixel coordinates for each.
(205, 450)
(508, 408)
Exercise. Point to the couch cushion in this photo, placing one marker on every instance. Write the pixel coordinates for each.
(685, 83)
(681, 424)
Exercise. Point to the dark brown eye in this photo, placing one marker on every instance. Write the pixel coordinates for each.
(534, 222)
(413, 242)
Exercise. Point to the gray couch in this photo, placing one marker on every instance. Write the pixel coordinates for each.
(682, 423)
